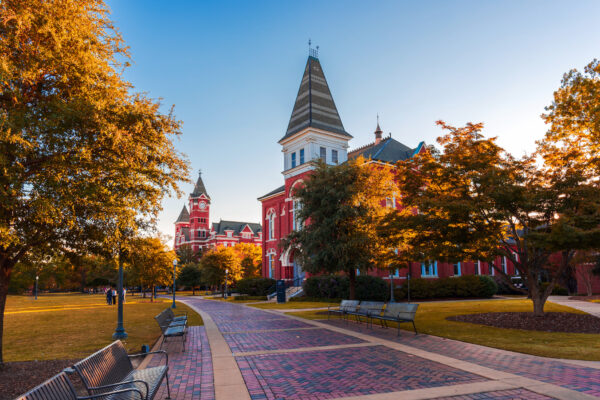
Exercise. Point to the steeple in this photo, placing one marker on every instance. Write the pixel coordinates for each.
(314, 106)
(199, 189)
(184, 216)
(378, 132)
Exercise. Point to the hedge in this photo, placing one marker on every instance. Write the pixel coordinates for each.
(255, 286)
(456, 287)
(338, 287)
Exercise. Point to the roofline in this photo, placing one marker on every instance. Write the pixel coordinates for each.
(285, 140)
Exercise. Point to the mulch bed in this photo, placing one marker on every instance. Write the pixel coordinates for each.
(550, 322)
(16, 378)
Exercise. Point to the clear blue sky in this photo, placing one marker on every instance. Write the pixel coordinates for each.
(232, 70)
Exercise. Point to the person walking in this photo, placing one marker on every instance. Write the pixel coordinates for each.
(108, 293)
(114, 296)
(124, 293)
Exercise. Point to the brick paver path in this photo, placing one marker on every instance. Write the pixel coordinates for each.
(280, 357)
(190, 372)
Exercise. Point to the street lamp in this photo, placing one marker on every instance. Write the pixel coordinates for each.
(120, 331)
(174, 266)
(36, 285)
(226, 276)
(392, 288)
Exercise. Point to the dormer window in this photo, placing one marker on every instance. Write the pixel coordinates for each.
(323, 154)
(301, 156)
(293, 160)
(334, 156)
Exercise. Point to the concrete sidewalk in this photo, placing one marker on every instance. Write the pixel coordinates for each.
(585, 306)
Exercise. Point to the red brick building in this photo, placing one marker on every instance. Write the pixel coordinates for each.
(315, 131)
(193, 227)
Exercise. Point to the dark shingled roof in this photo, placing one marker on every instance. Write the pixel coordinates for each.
(278, 190)
(314, 104)
(220, 227)
(388, 150)
(199, 189)
(184, 216)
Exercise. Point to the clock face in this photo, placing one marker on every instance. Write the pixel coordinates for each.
(202, 205)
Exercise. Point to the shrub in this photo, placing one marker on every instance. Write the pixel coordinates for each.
(557, 290)
(371, 288)
(455, 287)
(255, 286)
(245, 297)
(338, 287)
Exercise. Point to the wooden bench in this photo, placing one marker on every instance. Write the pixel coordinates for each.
(398, 312)
(110, 369)
(59, 387)
(344, 307)
(169, 329)
(368, 309)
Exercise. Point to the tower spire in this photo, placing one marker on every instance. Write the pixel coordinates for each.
(378, 132)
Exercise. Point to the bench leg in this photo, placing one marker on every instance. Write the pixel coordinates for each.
(415, 328)
(398, 328)
(383, 321)
(168, 387)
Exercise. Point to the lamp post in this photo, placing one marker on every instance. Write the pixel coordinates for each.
(174, 267)
(120, 331)
(226, 276)
(392, 300)
(37, 278)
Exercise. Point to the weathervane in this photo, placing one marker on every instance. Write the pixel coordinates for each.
(312, 52)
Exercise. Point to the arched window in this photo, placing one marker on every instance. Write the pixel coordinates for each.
(271, 227)
(271, 265)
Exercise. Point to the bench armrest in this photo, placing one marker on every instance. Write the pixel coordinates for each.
(181, 314)
(122, 383)
(103, 395)
(151, 352)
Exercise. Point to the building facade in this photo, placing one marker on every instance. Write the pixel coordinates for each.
(193, 227)
(315, 131)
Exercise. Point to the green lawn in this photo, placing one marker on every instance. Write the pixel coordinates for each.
(75, 325)
(431, 319)
(293, 305)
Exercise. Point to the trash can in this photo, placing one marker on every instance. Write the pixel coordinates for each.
(280, 288)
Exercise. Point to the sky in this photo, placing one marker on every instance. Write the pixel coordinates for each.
(232, 70)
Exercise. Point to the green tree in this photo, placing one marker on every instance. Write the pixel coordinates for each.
(190, 275)
(341, 208)
(187, 255)
(79, 149)
(473, 201)
(150, 263)
(214, 264)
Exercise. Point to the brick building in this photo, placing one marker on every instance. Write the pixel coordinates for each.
(315, 131)
(193, 227)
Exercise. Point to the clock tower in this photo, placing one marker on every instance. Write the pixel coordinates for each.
(199, 205)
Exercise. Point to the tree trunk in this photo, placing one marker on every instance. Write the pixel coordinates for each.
(352, 284)
(193, 290)
(5, 271)
(539, 296)
(152, 294)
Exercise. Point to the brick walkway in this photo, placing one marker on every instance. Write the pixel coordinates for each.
(280, 357)
(190, 372)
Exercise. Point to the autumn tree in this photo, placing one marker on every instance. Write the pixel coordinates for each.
(215, 263)
(473, 201)
(79, 148)
(150, 263)
(250, 257)
(341, 208)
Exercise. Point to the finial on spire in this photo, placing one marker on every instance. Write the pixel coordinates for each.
(199, 172)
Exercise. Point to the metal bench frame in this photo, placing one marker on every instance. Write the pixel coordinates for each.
(59, 387)
(368, 309)
(110, 367)
(176, 318)
(169, 329)
(343, 309)
(398, 312)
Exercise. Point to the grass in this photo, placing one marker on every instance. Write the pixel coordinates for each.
(75, 325)
(431, 319)
(294, 305)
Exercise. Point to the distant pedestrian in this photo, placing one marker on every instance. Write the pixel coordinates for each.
(109, 296)
(114, 296)
(124, 293)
